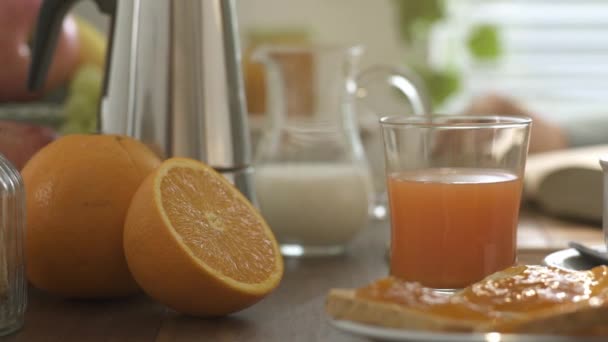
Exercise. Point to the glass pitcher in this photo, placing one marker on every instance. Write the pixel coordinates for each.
(312, 178)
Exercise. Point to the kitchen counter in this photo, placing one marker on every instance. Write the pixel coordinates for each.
(294, 312)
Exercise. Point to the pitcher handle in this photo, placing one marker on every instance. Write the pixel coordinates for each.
(412, 87)
(404, 79)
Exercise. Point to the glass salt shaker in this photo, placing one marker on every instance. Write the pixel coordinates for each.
(13, 284)
(312, 179)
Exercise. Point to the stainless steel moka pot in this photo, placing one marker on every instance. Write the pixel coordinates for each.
(173, 78)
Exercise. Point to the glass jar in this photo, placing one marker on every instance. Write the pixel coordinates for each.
(13, 284)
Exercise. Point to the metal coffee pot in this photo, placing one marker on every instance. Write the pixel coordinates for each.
(173, 78)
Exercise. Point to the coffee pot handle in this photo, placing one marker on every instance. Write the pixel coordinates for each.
(50, 19)
(403, 79)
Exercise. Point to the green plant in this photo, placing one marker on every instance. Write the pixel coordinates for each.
(484, 42)
(417, 16)
(441, 84)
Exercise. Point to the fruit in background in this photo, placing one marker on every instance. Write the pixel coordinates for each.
(195, 243)
(81, 105)
(78, 190)
(20, 141)
(17, 22)
(92, 43)
(254, 72)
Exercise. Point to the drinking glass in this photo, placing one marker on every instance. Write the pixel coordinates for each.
(454, 186)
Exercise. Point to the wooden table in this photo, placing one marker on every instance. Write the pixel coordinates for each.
(292, 313)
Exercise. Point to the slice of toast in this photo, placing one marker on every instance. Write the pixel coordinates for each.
(343, 304)
(553, 305)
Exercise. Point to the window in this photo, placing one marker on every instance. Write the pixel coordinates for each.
(553, 53)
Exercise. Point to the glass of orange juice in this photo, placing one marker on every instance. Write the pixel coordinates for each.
(454, 186)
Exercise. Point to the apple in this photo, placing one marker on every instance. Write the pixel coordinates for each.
(20, 141)
(17, 23)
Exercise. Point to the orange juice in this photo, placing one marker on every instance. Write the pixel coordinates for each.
(452, 226)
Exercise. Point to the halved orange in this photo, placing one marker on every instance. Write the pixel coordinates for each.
(194, 243)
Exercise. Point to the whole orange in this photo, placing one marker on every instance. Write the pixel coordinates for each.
(78, 190)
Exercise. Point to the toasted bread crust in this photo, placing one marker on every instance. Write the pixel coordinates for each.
(574, 319)
(343, 304)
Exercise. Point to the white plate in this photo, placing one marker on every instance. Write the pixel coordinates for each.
(389, 334)
(570, 259)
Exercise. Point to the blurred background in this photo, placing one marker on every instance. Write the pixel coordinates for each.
(543, 58)
(550, 56)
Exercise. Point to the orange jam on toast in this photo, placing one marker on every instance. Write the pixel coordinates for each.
(515, 290)
(530, 288)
